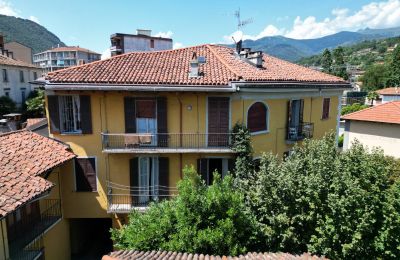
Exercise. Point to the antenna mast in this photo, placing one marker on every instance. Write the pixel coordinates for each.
(240, 23)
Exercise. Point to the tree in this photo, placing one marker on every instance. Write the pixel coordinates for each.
(394, 68)
(326, 61)
(339, 66)
(375, 77)
(372, 95)
(352, 108)
(7, 105)
(35, 104)
(201, 219)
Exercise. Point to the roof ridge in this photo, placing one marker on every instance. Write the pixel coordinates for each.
(222, 60)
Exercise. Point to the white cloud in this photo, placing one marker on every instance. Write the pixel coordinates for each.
(178, 45)
(106, 54)
(34, 19)
(7, 9)
(164, 34)
(270, 30)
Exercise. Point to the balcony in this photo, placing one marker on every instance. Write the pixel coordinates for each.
(167, 143)
(115, 48)
(123, 199)
(300, 132)
(26, 243)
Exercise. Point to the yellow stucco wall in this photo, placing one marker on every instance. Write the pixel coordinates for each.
(57, 243)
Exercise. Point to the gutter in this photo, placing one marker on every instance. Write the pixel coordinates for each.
(291, 84)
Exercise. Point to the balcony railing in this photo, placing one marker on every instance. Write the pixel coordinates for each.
(21, 245)
(300, 132)
(168, 142)
(123, 199)
(33, 250)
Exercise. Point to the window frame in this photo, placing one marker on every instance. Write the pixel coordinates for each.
(21, 76)
(96, 171)
(266, 131)
(60, 111)
(5, 75)
(329, 109)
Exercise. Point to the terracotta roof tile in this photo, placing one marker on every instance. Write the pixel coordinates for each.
(24, 156)
(154, 255)
(171, 67)
(384, 113)
(389, 91)
(4, 60)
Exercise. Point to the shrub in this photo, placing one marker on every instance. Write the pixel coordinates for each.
(352, 108)
(7, 105)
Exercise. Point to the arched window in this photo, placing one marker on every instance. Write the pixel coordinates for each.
(257, 117)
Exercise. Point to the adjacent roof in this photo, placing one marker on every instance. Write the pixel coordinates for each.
(154, 255)
(4, 60)
(389, 92)
(33, 123)
(384, 113)
(70, 48)
(24, 156)
(171, 67)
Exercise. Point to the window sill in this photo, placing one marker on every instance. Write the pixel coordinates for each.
(324, 119)
(71, 133)
(260, 132)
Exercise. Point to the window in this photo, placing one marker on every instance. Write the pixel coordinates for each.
(34, 75)
(257, 118)
(146, 121)
(325, 108)
(70, 116)
(148, 179)
(152, 44)
(85, 174)
(5, 75)
(207, 167)
(21, 76)
(7, 93)
(23, 97)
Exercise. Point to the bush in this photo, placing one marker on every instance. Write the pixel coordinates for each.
(35, 104)
(341, 140)
(201, 219)
(352, 108)
(7, 105)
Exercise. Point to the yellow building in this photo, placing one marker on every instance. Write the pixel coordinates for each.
(31, 223)
(135, 120)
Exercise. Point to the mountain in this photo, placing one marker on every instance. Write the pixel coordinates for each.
(294, 49)
(28, 33)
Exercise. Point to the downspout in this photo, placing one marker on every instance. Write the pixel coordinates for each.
(180, 134)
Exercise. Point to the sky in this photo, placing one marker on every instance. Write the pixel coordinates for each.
(89, 23)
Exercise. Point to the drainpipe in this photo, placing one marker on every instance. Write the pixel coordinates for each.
(180, 133)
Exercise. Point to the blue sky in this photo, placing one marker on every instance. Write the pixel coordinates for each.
(90, 23)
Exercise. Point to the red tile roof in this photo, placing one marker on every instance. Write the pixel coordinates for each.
(24, 156)
(171, 67)
(32, 122)
(155, 255)
(4, 60)
(384, 113)
(389, 91)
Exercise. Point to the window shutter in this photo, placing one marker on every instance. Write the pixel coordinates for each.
(130, 115)
(85, 174)
(202, 169)
(54, 114)
(301, 110)
(86, 114)
(145, 108)
(257, 117)
(134, 176)
(289, 112)
(163, 175)
(162, 122)
(325, 108)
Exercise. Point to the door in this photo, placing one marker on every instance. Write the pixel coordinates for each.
(295, 118)
(144, 175)
(218, 121)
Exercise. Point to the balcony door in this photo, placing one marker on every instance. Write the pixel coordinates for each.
(146, 119)
(148, 179)
(218, 121)
(295, 117)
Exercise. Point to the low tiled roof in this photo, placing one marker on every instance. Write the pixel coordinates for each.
(4, 60)
(33, 123)
(154, 255)
(389, 91)
(384, 113)
(24, 156)
(171, 67)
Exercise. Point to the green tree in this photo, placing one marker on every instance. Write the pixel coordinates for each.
(326, 61)
(7, 105)
(375, 77)
(339, 66)
(372, 95)
(352, 108)
(35, 104)
(201, 219)
(394, 68)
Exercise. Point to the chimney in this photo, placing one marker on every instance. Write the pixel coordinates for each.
(255, 57)
(194, 66)
(143, 32)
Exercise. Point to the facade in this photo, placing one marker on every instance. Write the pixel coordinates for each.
(136, 120)
(142, 41)
(64, 57)
(16, 77)
(19, 51)
(388, 95)
(378, 126)
(31, 222)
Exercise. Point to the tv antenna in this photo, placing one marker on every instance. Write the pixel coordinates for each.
(240, 22)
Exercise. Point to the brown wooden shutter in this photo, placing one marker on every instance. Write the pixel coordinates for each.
(86, 114)
(289, 112)
(163, 175)
(257, 117)
(202, 169)
(301, 111)
(54, 114)
(85, 174)
(218, 121)
(130, 115)
(162, 128)
(145, 108)
(134, 176)
(325, 108)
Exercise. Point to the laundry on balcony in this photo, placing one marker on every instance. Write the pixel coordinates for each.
(135, 140)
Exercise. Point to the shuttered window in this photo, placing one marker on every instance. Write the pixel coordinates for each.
(257, 117)
(146, 108)
(326, 108)
(85, 174)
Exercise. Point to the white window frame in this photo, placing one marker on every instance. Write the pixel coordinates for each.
(267, 118)
(96, 170)
(76, 114)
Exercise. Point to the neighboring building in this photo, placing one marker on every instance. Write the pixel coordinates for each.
(389, 94)
(19, 51)
(142, 41)
(31, 220)
(64, 57)
(137, 119)
(16, 77)
(377, 126)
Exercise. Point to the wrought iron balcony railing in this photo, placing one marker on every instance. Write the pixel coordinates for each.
(123, 199)
(170, 141)
(300, 132)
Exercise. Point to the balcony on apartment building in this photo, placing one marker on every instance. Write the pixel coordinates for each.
(300, 131)
(167, 143)
(123, 199)
(26, 226)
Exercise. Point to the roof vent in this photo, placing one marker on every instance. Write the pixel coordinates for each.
(195, 64)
